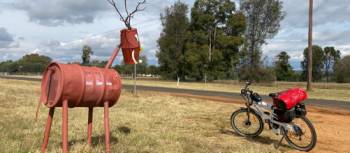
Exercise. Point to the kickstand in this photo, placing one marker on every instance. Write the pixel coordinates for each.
(279, 143)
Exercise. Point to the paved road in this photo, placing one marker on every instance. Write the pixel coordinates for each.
(218, 94)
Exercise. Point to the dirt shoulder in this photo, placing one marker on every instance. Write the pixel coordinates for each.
(331, 124)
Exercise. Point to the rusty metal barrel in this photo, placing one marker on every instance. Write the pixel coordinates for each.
(81, 86)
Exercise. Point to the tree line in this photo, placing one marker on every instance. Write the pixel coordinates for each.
(30, 63)
(327, 66)
(220, 41)
(35, 64)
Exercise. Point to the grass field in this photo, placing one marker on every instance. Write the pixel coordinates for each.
(330, 91)
(151, 122)
(148, 123)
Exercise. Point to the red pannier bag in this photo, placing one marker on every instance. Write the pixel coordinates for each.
(292, 97)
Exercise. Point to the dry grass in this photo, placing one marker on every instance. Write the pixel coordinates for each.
(321, 90)
(151, 122)
(330, 91)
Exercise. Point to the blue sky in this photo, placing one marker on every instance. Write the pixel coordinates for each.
(59, 28)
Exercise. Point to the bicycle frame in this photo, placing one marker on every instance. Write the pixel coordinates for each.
(265, 111)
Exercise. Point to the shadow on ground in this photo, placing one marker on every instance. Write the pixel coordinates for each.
(259, 139)
(100, 139)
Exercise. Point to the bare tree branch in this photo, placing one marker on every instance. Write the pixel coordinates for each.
(126, 8)
(127, 19)
(112, 2)
(137, 9)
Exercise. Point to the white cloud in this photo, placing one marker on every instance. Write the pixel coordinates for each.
(85, 20)
(58, 12)
(331, 22)
(6, 39)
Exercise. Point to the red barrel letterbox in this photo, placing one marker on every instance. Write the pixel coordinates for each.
(72, 85)
(81, 86)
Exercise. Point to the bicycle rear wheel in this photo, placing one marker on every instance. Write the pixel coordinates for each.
(304, 136)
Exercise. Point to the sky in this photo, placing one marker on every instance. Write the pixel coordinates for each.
(59, 28)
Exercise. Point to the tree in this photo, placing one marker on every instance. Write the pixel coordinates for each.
(87, 52)
(283, 69)
(216, 29)
(129, 69)
(317, 63)
(33, 63)
(263, 22)
(97, 63)
(154, 70)
(342, 70)
(142, 67)
(331, 56)
(8, 66)
(171, 54)
(127, 19)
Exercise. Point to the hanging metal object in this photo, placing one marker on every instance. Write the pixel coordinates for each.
(130, 45)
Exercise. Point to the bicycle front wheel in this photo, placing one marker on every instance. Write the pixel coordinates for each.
(251, 126)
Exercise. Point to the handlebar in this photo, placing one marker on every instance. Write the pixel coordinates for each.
(246, 89)
(247, 83)
(246, 92)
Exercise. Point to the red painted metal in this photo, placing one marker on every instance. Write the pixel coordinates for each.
(131, 56)
(72, 85)
(129, 38)
(130, 45)
(89, 133)
(65, 126)
(111, 59)
(82, 86)
(47, 129)
(106, 126)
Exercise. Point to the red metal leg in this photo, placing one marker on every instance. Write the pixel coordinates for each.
(106, 125)
(90, 125)
(65, 126)
(47, 130)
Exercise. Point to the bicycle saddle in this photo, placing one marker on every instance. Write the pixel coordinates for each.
(273, 95)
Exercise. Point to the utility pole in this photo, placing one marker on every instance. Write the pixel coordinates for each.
(134, 91)
(309, 60)
(135, 77)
